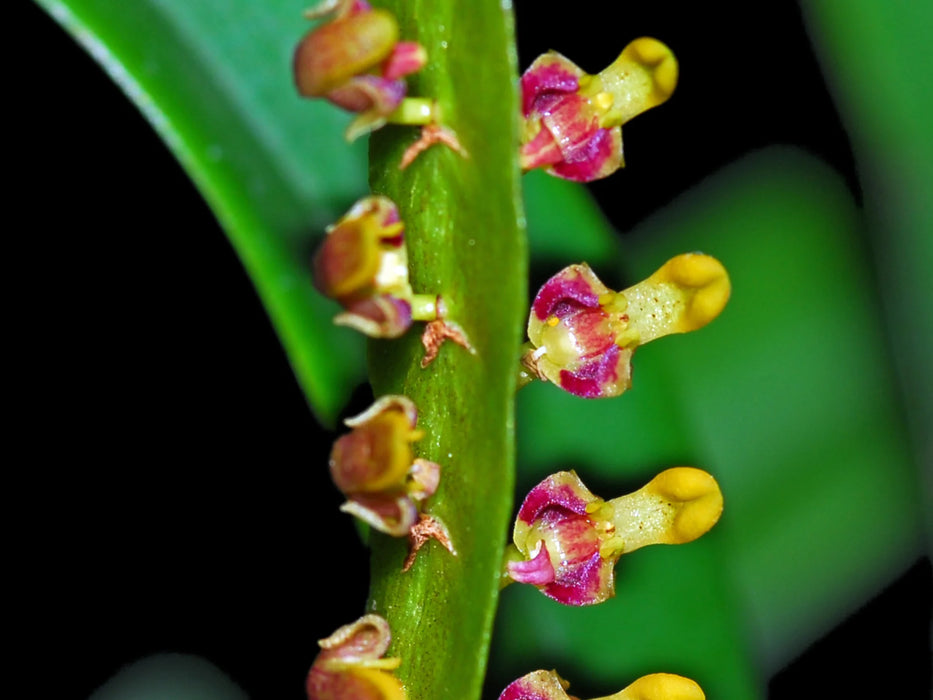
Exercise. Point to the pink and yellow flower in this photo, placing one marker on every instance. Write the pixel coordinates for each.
(547, 685)
(363, 265)
(567, 541)
(374, 467)
(351, 664)
(357, 62)
(583, 335)
(572, 120)
(385, 484)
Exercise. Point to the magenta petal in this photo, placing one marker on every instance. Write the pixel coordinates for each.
(554, 514)
(549, 74)
(590, 380)
(600, 156)
(573, 124)
(565, 293)
(369, 92)
(537, 571)
(538, 685)
(551, 493)
(587, 583)
(540, 152)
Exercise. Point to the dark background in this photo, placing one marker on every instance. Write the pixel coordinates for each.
(181, 501)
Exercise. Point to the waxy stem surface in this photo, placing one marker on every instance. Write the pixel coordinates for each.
(466, 242)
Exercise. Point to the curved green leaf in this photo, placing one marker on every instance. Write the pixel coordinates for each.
(213, 78)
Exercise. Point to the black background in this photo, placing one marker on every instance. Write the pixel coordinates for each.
(177, 500)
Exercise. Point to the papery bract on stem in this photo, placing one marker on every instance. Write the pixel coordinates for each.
(351, 664)
(583, 335)
(567, 541)
(547, 685)
(572, 120)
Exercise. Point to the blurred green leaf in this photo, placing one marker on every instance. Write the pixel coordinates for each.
(213, 78)
(787, 399)
(876, 58)
(791, 399)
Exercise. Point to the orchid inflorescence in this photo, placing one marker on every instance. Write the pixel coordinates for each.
(581, 337)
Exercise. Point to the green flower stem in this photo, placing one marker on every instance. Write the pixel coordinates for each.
(466, 242)
(414, 111)
(424, 307)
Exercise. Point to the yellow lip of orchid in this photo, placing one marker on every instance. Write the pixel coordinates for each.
(547, 685)
(642, 77)
(677, 506)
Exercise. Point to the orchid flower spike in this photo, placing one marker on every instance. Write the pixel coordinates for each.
(351, 664)
(363, 265)
(385, 485)
(357, 62)
(547, 685)
(572, 121)
(567, 541)
(583, 335)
